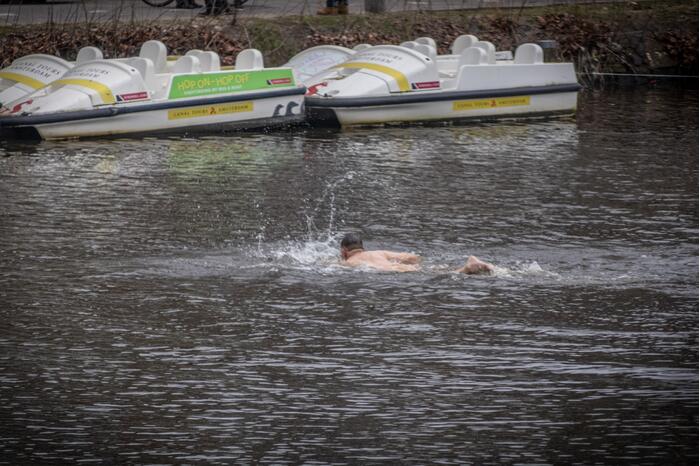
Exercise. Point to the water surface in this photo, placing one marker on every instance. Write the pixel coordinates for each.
(180, 301)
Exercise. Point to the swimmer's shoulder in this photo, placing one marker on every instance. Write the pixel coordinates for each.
(365, 257)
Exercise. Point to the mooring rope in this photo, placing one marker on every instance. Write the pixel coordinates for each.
(642, 75)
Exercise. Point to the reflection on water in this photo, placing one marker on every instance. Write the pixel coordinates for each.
(170, 301)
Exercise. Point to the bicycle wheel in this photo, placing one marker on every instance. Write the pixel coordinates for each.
(158, 3)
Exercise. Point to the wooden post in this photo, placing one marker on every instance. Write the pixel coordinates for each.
(375, 6)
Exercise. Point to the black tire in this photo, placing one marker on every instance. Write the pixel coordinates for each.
(158, 3)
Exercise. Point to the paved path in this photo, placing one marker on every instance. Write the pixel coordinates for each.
(69, 11)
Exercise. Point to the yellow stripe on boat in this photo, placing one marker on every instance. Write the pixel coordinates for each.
(397, 75)
(480, 104)
(210, 110)
(20, 78)
(104, 91)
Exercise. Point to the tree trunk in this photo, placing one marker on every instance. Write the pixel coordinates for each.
(375, 6)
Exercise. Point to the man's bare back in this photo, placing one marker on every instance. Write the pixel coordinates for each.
(353, 254)
(383, 260)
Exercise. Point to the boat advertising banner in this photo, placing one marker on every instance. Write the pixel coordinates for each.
(198, 85)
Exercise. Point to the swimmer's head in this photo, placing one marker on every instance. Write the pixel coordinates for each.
(350, 242)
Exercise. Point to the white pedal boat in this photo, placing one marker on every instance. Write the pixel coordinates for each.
(144, 96)
(400, 84)
(310, 62)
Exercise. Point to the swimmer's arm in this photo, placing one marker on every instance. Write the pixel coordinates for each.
(403, 257)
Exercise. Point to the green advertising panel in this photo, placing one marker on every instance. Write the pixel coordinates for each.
(203, 84)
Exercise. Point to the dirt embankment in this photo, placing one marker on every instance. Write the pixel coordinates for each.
(646, 36)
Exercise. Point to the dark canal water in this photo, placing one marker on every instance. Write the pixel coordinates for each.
(179, 301)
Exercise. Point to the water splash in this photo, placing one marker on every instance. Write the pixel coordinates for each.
(319, 249)
(327, 197)
(314, 254)
(262, 222)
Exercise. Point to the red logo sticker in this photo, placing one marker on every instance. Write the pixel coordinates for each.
(277, 81)
(19, 106)
(426, 85)
(314, 89)
(132, 96)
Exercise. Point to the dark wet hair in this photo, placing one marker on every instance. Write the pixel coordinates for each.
(351, 241)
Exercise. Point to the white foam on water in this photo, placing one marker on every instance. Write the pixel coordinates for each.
(318, 255)
(530, 269)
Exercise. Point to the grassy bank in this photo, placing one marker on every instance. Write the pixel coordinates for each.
(632, 37)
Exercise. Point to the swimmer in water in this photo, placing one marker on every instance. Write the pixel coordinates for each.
(354, 254)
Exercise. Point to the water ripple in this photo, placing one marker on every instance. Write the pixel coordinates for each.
(168, 301)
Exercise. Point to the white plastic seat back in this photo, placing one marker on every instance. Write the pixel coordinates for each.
(88, 54)
(360, 47)
(528, 54)
(473, 56)
(208, 61)
(463, 42)
(144, 66)
(427, 41)
(426, 50)
(249, 59)
(186, 64)
(411, 44)
(489, 48)
(212, 60)
(194, 52)
(155, 51)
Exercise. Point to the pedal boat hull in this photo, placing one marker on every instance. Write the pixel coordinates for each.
(202, 115)
(456, 106)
